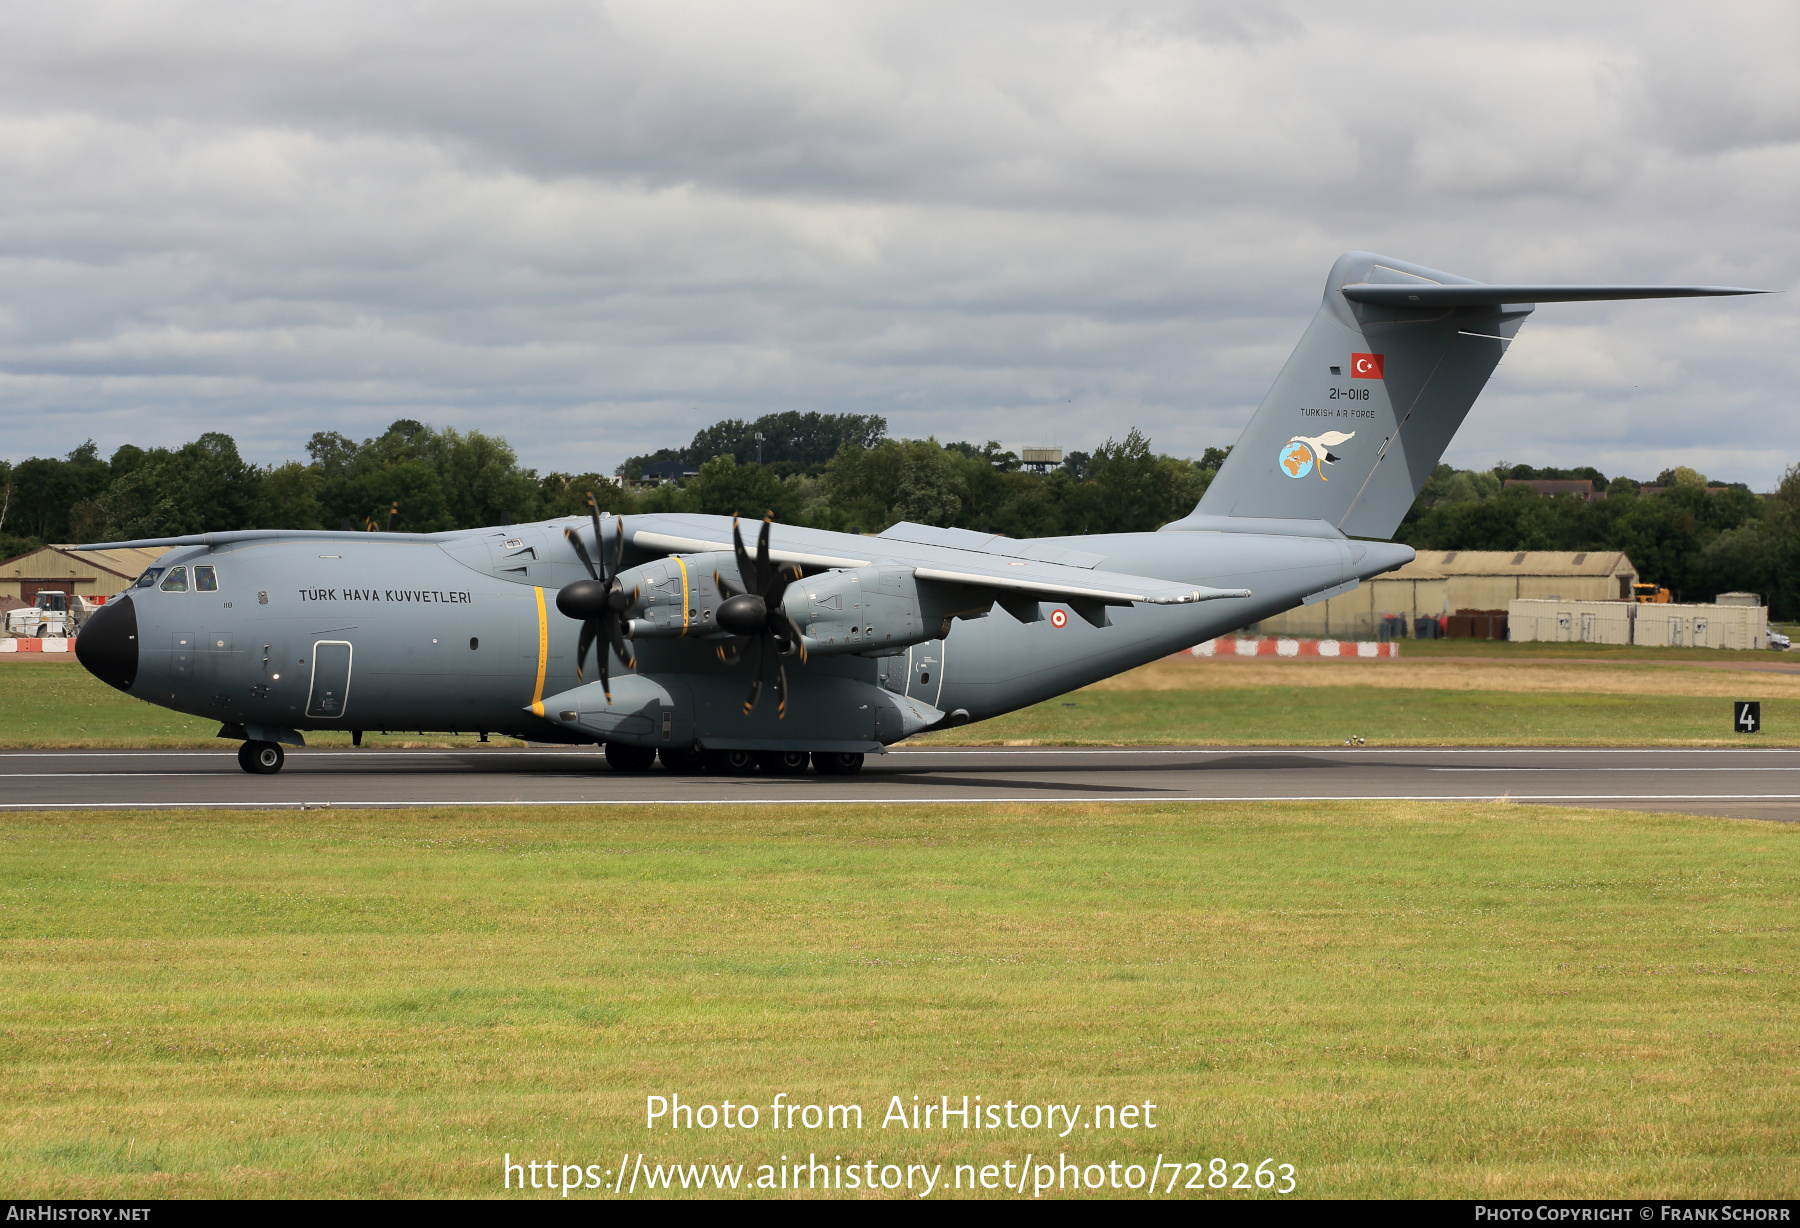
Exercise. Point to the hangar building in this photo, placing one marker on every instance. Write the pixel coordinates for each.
(88, 573)
(1444, 581)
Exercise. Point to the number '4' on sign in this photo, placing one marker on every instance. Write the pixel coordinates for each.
(1746, 716)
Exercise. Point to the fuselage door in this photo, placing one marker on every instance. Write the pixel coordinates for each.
(925, 680)
(330, 680)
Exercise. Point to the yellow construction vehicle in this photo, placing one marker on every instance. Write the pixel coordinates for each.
(1650, 594)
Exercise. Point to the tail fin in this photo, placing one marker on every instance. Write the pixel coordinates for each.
(1372, 395)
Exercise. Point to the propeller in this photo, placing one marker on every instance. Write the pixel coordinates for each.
(599, 602)
(755, 613)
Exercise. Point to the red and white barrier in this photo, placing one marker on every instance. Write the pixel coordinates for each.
(50, 644)
(1294, 648)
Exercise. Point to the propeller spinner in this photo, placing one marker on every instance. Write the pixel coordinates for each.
(755, 614)
(599, 602)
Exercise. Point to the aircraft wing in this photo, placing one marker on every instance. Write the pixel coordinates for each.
(977, 568)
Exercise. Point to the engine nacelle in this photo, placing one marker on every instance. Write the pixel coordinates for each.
(676, 596)
(877, 610)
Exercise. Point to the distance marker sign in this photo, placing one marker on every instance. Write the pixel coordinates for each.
(1746, 716)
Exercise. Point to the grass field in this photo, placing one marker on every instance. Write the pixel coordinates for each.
(1479, 1000)
(1497, 696)
(58, 703)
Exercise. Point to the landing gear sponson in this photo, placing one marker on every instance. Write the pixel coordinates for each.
(267, 758)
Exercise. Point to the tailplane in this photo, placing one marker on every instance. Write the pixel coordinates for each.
(1371, 397)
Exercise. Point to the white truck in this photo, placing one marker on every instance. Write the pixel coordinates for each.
(52, 614)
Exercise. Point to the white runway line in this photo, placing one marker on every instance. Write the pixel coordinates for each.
(95, 776)
(923, 800)
(1633, 770)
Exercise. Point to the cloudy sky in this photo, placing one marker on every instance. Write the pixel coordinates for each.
(594, 227)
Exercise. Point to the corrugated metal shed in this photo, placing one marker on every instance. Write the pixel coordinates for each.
(1443, 581)
(1489, 579)
(91, 573)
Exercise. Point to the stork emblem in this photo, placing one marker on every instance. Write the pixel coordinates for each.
(1303, 454)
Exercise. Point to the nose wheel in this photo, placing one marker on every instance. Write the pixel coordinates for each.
(261, 758)
(624, 758)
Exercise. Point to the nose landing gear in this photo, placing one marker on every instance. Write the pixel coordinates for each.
(261, 758)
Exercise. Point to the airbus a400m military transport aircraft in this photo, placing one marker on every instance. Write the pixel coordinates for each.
(862, 641)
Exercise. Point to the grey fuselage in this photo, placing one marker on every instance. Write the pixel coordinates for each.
(460, 633)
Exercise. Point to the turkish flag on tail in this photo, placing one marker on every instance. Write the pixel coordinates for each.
(1365, 366)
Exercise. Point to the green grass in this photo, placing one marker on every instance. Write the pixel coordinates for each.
(58, 703)
(61, 704)
(1327, 715)
(1479, 1000)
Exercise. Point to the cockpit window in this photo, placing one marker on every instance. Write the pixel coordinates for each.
(148, 579)
(175, 581)
(206, 579)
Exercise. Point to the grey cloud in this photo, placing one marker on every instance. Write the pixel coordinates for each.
(595, 227)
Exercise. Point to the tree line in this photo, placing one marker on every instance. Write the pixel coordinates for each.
(843, 472)
(1681, 532)
(826, 471)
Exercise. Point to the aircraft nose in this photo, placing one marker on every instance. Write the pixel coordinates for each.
(108, 644)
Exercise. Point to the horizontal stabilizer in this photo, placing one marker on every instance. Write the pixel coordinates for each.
(1416, 295)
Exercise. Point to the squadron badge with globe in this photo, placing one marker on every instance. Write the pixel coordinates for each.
(1303, 454)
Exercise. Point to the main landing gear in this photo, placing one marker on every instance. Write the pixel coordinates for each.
(261, 758)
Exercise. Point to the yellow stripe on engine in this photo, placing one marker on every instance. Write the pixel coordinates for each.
(684, 594)
(537, 693)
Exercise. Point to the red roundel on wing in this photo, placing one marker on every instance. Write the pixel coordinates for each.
(1365, 366)
(1058, 618)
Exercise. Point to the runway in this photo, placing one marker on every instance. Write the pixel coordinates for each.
(1753, 784)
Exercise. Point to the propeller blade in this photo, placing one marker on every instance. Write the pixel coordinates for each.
(605, 676)
(618, 643)
(594, 515)
(764, 577)
(756, 673)
(780, 690)
(746, 569)
(784, 576)
(732, 650)
(618, 559)
(581, 551)
(788, 629)
(727, 590)
(581, 649)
